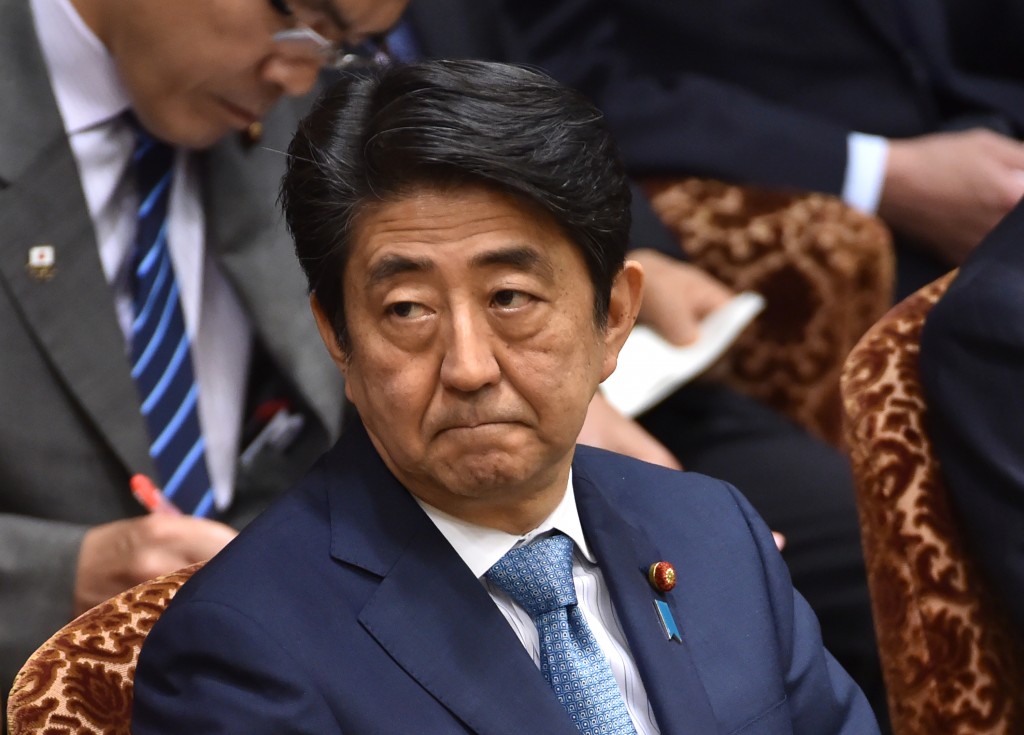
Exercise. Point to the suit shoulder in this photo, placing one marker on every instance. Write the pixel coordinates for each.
(986, 292)
(292, 528)
(636, 481)
(611, 465)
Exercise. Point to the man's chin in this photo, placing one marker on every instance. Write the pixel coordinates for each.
(194, 133)
(481, 476)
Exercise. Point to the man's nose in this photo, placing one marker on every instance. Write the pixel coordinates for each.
(293, 76)
(469, 362)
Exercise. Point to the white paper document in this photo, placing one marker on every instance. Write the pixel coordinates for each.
(650, 368)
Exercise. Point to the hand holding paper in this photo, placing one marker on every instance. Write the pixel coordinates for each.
(677, 296)
(650, 368)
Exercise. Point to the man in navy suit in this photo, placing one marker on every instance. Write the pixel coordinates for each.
(463, 227)
(972, 370)
(800, 486)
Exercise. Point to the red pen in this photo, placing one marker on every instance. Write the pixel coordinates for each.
(150, 497)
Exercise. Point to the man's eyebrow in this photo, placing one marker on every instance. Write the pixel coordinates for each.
(393, 265)
(521, 257)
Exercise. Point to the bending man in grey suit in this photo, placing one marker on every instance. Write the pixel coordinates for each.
(85, 83)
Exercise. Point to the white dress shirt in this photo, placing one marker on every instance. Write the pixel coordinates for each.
(92, 103)
(866, 159)
(482, 547)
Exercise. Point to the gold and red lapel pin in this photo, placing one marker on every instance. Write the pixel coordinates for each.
(662, 576)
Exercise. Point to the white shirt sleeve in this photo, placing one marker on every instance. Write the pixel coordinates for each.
(866, 156)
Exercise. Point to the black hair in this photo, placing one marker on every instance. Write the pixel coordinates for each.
(376, 137)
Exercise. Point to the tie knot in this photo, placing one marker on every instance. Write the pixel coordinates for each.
(538, 576)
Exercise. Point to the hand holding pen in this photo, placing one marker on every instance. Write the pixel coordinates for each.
(151, 497)
(117, 555)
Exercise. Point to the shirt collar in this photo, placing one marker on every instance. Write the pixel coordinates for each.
(481, 547)
(83, 74)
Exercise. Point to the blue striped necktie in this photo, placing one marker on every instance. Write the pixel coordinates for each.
(538, 576)
(160, 355)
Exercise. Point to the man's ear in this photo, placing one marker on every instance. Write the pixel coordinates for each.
(328, 335)
(624, 305)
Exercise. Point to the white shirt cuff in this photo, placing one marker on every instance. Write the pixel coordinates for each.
(866, 157)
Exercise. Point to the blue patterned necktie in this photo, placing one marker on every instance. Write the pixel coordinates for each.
(538, 576)
(160, 355)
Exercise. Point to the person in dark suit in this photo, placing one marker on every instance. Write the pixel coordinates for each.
(80, 78)
(972, 368)
(859, 98)
(800, 486)
(984, 36)
(463, 226)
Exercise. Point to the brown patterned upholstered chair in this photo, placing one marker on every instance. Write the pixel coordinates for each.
(825, 269)
(949, 656)
(80, 681)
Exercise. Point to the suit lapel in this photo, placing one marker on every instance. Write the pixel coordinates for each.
(248, 239)
(72, 314)
(480, 672)
(624, 553)
(29, 119)
(430, 614)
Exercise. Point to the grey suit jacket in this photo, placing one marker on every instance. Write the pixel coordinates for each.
(70, 429)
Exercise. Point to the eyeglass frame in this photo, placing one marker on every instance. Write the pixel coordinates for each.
(338, 55)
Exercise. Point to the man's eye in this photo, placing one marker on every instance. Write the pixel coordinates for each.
(406, 309)
(509, 299)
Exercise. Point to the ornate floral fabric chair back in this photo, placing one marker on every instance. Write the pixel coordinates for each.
(825, 269)
(80, 681)
(949, 655)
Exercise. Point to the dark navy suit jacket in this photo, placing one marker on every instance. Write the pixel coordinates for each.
(344, 610)
(972, 368)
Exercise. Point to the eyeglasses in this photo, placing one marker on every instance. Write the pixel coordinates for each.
(303, 42)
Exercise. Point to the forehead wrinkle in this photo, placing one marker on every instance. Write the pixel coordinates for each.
(520, 257)
(390, 266)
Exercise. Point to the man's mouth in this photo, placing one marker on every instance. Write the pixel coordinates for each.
(241, 116)
(475, 425)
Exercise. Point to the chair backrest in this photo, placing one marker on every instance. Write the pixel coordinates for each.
(80, 680)
(951, 660)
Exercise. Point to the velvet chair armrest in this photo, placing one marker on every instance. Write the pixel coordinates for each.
(81, 680)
